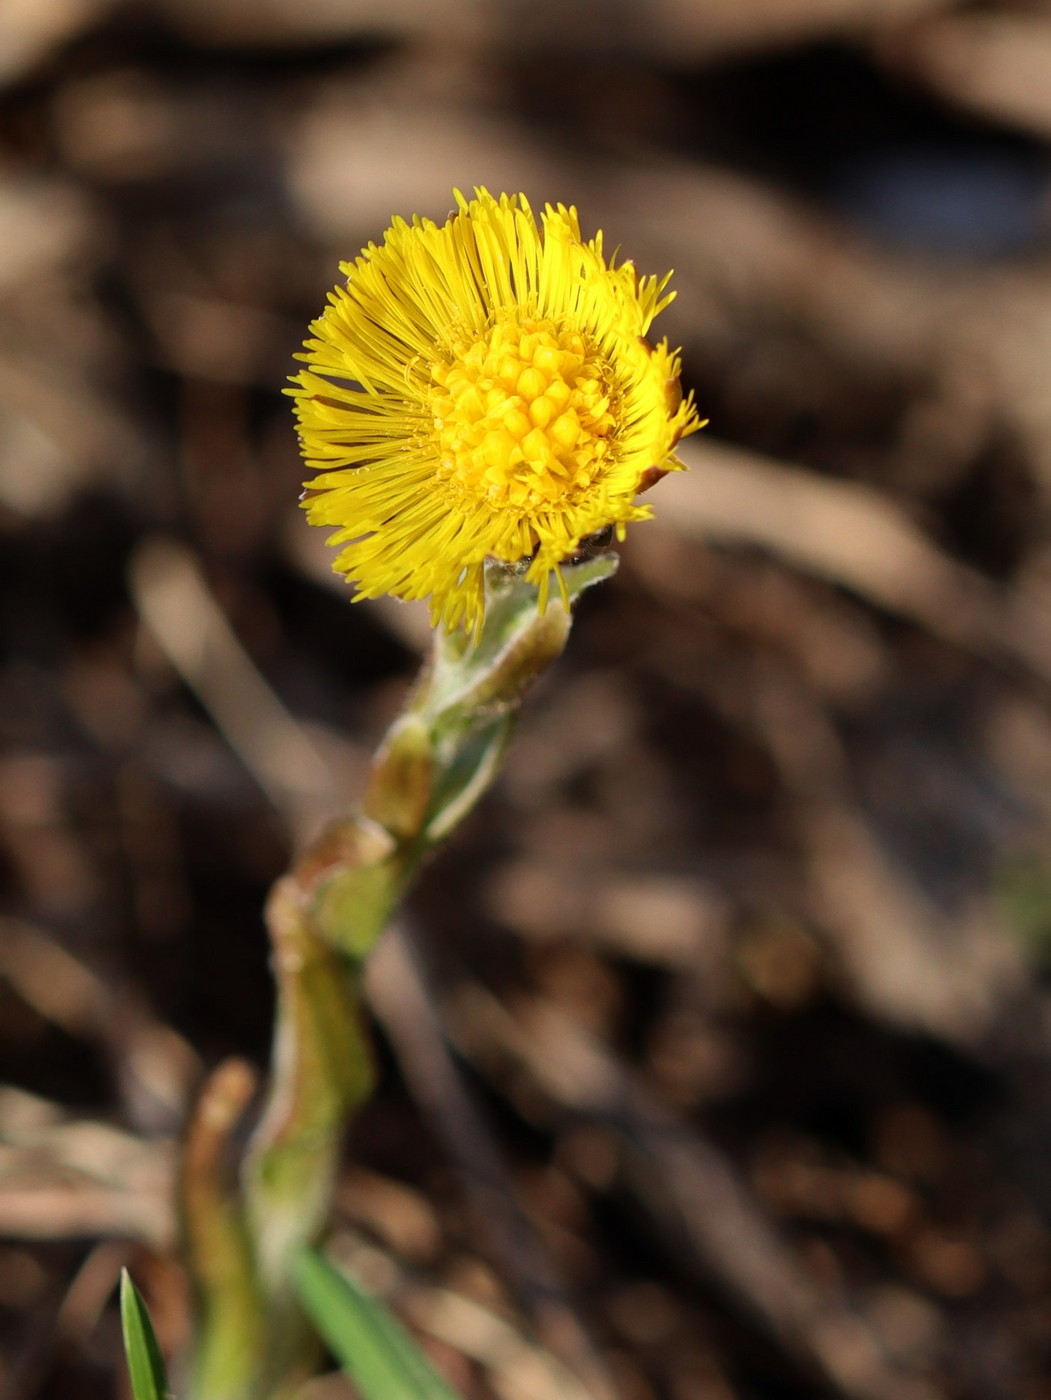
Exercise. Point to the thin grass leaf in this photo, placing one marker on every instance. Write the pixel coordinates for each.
(148, 1378)
(373, 1348)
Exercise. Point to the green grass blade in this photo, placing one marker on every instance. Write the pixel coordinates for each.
(373, 1348)
(148, 1379)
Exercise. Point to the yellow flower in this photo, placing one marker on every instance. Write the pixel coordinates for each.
(483, 388)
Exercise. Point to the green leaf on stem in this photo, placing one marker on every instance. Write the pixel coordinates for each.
(148, 1378)
(372, 1347)
(470, 768)
(516, 645)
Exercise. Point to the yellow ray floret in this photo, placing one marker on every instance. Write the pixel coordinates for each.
(483, 388)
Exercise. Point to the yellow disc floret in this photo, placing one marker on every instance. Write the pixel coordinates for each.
(522, 416)
(483, 388)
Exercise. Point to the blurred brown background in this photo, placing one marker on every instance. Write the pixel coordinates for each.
(715, 1050)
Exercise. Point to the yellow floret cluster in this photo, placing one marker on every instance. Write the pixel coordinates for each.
(523, 416)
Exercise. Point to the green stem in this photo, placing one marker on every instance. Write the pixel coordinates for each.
(324, 917)
(321, 1072)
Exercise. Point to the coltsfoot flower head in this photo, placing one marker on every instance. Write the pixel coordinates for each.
(483, 388)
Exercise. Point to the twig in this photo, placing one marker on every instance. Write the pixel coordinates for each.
(398, 993)
(177, 605)
(853, 536)
(703, 1211)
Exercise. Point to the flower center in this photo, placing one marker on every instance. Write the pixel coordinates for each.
(522, 415)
